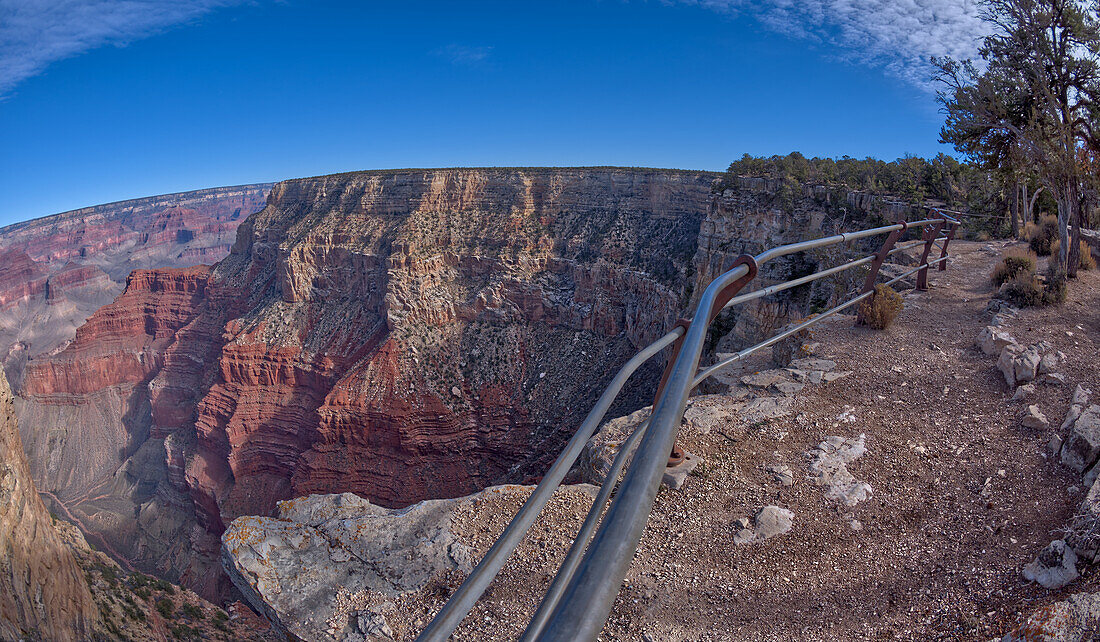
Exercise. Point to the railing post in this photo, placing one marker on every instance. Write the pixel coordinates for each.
(880, 256)
(946, 241)
(930, 234)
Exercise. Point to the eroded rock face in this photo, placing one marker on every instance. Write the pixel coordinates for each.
(57, 270)
(43, 594)
(324, 550)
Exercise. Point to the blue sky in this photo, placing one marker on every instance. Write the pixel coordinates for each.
(103, 100)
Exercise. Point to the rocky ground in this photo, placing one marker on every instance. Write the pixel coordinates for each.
(898, 501)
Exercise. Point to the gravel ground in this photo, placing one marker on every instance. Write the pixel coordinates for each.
(963, 496)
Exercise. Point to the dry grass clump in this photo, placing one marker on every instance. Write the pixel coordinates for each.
(881, 308)
(1015, 261)
(1085, 262)
(1026, 289)
(1042, 236)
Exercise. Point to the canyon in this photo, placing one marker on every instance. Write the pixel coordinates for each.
(57, 270)
(401, 335)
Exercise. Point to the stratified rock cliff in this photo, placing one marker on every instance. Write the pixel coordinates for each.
(55, 271)
(401, 335)
(43, 594)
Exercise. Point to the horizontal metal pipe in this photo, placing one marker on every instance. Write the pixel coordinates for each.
(802, 246)
(460, 603)
(786, 285)
(580, 542)
(704, 374)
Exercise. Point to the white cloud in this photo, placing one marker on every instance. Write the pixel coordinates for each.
(36, 33)
(896, 35)
(463, 54)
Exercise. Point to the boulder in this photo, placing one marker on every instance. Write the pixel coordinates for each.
(1074, 619)
(1054, 567)
(300, 567)
(1019, 364)
(992, 340)
(1082, 446)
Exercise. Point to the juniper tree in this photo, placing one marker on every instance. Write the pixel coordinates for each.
(1035, 100)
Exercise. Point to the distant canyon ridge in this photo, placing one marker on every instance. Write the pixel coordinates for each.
(401, 335)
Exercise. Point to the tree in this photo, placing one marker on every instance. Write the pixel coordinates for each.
(1036, 100)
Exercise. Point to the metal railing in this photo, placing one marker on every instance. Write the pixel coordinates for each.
(579, 600)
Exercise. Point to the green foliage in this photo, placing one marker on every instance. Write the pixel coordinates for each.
(191, 611)
(910, 178)
(1085, 261)
(165, 607)
(881, 308)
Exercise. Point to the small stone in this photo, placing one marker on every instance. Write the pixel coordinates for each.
(1052, 378)
(1024, 392)
(1033, 418)
(1055, 444)
(1048, 363)
(813, 364)
(1083, 444)
(772, 521)
(856, 525)
(1081, 395)
(833, 376)
(781, 474)
(455, 391)
(789, 387)
(1054, 567)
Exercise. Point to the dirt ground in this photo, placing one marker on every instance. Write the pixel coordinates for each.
(963, 495)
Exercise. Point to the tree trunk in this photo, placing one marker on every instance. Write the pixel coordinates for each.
(1065, 209)
(1031, 205)
(1073, 256)
(1016, 211)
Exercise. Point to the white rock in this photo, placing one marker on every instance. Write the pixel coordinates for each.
(1054, 567)
(992, 340)
(1035, 419)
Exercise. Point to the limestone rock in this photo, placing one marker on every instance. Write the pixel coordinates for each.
(769, 522)
(1024, 392)
(1074, 619)
(789, 387)
(766, 408)
(765, 379)
(293, 566)
(1054, 567)
(824, 365)
(781, 473)
(1049, 363)
(993, 340)
(829, 468)
(1082, 447)
(1019, 364)
(1035, 419)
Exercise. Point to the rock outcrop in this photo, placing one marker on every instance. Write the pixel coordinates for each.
(57, 270)
(43, 594)
(328, 567)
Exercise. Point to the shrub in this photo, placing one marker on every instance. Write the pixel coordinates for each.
(983, 235)
(165, 607)
(1015, 261)
(192, 611)
(1085, 260)
(1023, 290)
(881, 308)
(1054, 290)
(1042, 236)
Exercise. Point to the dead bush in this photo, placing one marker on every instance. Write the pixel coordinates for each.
(1042, 236)
(1085, 259)
(1015, 261)
(881, 308)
